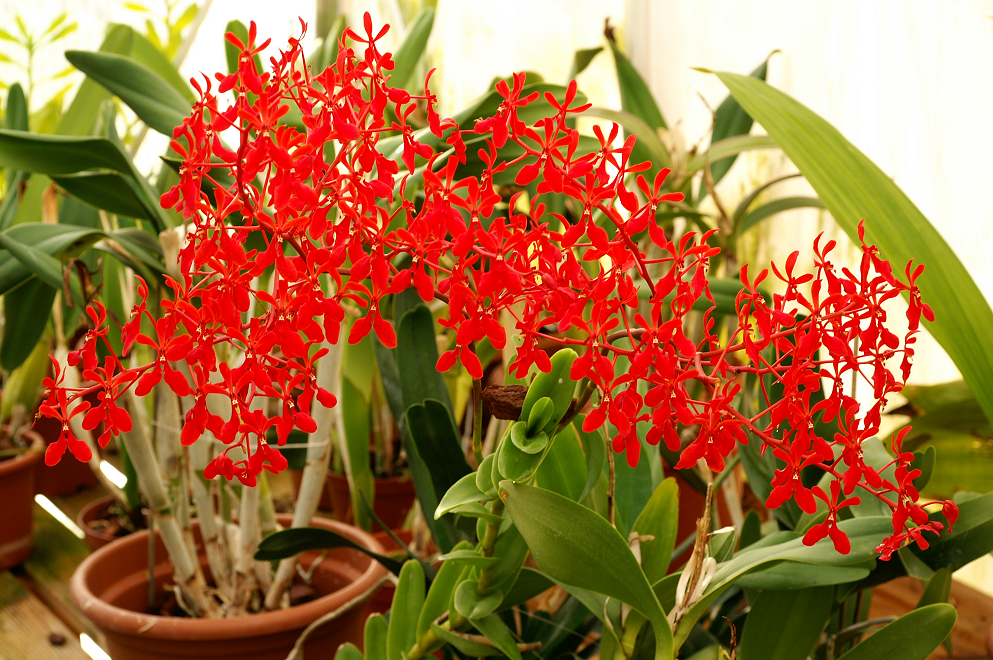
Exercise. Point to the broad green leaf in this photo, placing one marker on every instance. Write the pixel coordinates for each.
(439, 596)
(471, 605)
(408, 54)
(59, 154)
(55, 240)
(911, 637)
(633, 486)
(659, 520)
(853, 188)
(496, 631)
(42, 265)
(971, 538)
(785, 625)
(437, 443)
(939, 588)
(464, 491)
(374, 638)
(26, 312)
(109, 191)
(407, 603)
(355, 415)
(79, 117)
(575, 546)
(764, 211)
(648, 137)
(794, 575)
(416, 356)
(144, 52)
(730, 119)
(564, 469)
(731, 146)
(293, 541)
(529, 583)
(153, 99)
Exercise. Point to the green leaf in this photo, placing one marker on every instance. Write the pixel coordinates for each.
(564, 469)
(437, 443)
(470, 605)
(26, 312)
(54, 240)
(496, 631)
(785, 625)
(44, 266)
(730, 120)
(464, 491)
(529, 583)
(293, 541)
(468, 647)
(376, 631)
(16, 112)
(348, 651)
(109, 191)
(407, 603)
(144, 52)
(729, 147)
(355, 414)
(410, 51)
(852, 188)
(59, 154)
(925, 462)
(658, 519)
(416, 356)
(595, 451)
(556, 384)
(582, 59)
(155, 101)
(911, 637)
(574, 545)
(794, 575)
(759, 214)
(939, 588)
(971, 538)
(637, 99)
(439, 596)
(648, 137)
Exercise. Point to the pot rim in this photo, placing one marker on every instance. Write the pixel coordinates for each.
(20, 462)
(95, 505)
(151, 626)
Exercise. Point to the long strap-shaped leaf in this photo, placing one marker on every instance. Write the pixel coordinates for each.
(853, 188)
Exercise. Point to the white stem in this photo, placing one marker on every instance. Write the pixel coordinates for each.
(315, 471)
(188, 575)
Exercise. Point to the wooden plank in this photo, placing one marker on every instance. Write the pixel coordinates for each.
(28, 630)
(975, 613)
(57, 552)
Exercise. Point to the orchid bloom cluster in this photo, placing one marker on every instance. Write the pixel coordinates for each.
(291, 230)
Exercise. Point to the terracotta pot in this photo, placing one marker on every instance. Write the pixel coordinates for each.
(17, 498)
(110, 587)
(95, 510)
(394, 499)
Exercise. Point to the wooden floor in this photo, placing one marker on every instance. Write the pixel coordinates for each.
(39, 622)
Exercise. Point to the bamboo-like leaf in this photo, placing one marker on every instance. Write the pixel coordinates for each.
(406, 57)
(729, 147)
(853, 188)
(759, 214)
(153, 99)
(581, 59)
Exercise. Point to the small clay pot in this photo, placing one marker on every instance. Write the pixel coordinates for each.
(110, 587)
(17, 497)
(394, 499)
(95, 510)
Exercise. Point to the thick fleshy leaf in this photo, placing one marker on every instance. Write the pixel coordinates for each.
(785, 625)
(153, 99)
(375, 637)
(564, 469)
(911, 637)
(853, 188)
(407, 603)
(408, 54)
(59, 154)
(496, 631)
(439, 596)
(576, 546)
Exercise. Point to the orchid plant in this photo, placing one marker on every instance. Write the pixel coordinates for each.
(299, 240)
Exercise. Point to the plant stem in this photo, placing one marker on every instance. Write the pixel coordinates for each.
(477, 420)
(611, 483)
(315, 472)
(188, 575)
